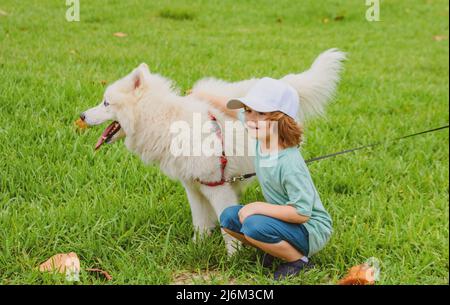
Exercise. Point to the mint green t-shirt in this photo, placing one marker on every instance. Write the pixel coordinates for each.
(285, 179)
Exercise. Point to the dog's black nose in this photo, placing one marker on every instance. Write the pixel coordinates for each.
(82, 116)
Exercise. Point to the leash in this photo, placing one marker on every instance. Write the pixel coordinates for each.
(246, 176)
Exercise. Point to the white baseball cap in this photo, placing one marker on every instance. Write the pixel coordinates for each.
(269, 95)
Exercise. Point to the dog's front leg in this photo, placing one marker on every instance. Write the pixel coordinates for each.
(221, 197)
(203, 217)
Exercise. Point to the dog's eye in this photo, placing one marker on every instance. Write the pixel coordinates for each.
(105, 103)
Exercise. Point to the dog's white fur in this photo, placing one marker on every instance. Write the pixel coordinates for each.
(146, 104)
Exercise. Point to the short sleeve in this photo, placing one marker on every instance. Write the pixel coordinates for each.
(301, 193)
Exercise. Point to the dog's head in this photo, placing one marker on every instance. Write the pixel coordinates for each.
(118, 105)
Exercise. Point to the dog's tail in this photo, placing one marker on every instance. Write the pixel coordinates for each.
(316, 86)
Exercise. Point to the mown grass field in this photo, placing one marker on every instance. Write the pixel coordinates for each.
(57, 195)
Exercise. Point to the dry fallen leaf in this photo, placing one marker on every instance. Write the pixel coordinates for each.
(359, 275)
(61, 262)
(338, 18)
(68, 263)
(81, 124)
(440, 37)
(3, 13)
(120, 34)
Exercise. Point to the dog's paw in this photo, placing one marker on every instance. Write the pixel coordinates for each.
(232, 246)
(201, 234)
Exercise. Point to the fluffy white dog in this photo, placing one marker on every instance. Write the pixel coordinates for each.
(144, 106)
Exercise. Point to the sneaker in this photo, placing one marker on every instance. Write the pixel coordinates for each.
(291, 269)
(267, 260)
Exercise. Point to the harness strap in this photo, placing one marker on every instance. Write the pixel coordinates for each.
(223, 157)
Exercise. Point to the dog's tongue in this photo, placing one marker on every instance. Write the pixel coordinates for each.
(104, 135)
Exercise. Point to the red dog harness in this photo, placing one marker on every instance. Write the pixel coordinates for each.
(223, 158)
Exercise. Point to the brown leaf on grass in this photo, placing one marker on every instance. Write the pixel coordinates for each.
(102, 272)
(120, 34)
(61, 262)
(3, 13)
(81, 125)
(359, 275)
(339, 18)
(440, 37)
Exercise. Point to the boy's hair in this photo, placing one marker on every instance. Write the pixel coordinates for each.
(290, 132)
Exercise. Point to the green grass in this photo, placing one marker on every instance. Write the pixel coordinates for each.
(57, 195)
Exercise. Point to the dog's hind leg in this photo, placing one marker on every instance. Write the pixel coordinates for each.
(221, 197)
(203, 216)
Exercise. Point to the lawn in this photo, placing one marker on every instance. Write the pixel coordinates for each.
(57, 195)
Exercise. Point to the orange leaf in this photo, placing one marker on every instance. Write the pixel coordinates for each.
(359, 275)
(61, 262)
(81, 124)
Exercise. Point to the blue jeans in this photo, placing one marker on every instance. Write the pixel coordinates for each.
(266, 229)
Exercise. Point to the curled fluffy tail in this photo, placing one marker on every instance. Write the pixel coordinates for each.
(316, 86)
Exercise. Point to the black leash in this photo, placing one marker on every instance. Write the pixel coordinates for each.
(246, 176)
(374, 144)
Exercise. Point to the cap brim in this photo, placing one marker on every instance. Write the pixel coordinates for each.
(235, 104)
(240, 102)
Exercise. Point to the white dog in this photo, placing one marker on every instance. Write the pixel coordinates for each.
(144, 105)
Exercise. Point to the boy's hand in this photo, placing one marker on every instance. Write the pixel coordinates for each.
(249, 209)
(219, 102)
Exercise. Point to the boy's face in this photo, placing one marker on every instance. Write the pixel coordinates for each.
(257, 125)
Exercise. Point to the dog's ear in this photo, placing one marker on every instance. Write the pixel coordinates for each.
(140, 77)
(144, 67)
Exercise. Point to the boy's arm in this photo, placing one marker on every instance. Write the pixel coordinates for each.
(283, 212)
(219, 102)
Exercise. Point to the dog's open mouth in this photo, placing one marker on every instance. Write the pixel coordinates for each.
(107, 134)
